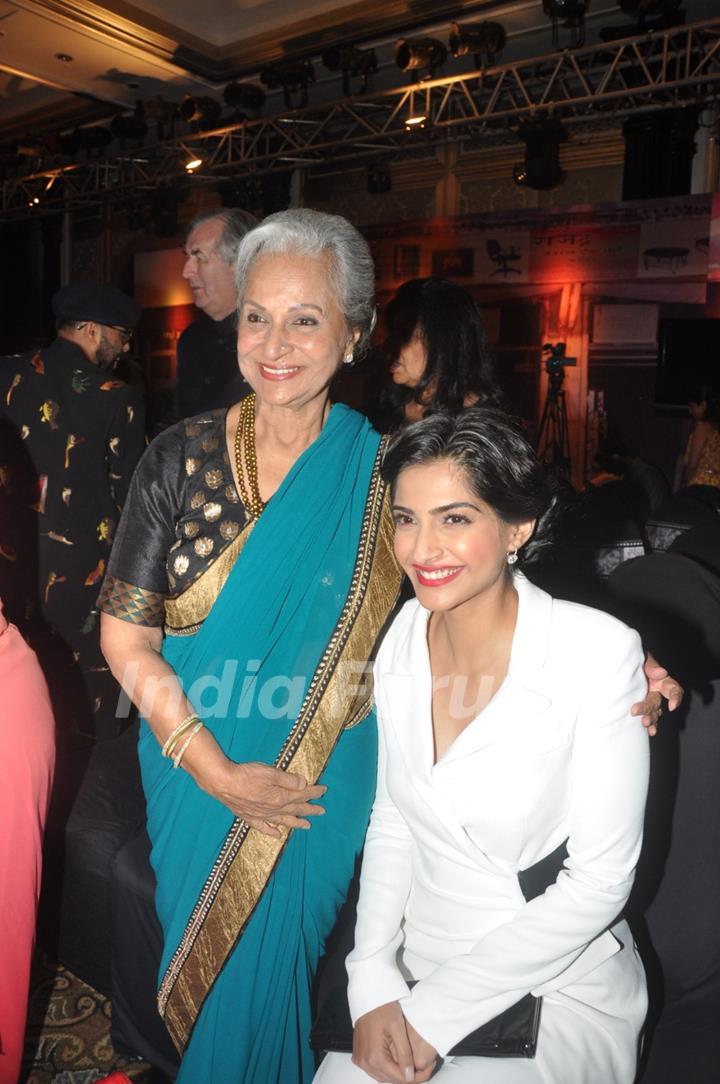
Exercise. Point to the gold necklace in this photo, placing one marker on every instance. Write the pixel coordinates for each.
(245, 450)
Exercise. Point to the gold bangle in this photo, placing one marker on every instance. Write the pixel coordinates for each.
(177, 733)
(181, 751)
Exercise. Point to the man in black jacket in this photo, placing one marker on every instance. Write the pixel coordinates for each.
(207, 370)
(71, 435)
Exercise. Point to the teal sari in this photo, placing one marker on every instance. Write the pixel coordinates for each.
(273, 671)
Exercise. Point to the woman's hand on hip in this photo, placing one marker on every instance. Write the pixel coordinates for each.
(381, 1045)
(267, 798)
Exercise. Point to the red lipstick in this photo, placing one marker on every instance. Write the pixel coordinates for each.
(436, 577)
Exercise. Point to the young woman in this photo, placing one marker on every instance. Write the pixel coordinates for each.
(440, 357)
(701, 461)
(505, 731)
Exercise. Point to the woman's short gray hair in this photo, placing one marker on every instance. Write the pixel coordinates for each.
(314, 233)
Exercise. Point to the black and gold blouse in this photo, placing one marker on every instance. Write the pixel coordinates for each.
(183, 515)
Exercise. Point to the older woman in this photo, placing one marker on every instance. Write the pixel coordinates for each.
(256, 537)
(250, 577)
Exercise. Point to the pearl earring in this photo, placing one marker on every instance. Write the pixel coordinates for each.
(348, 358)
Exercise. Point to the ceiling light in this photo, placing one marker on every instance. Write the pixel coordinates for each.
(65, 57)
(412, 54)
(350, 60)
(415, 120)
(246, 99)
(483, 39)
(293, 76)
(541, 168)
(572, 15)
(193, 164)
(200, 113)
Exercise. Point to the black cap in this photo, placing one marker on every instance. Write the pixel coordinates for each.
(91, 301)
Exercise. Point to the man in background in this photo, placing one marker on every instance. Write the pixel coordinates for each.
(71, 435)
(207, 368)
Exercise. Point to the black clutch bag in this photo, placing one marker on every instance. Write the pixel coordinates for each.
(512, 1034)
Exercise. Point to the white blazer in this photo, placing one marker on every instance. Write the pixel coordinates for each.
(555, 755)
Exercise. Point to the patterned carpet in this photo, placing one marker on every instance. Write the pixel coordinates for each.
(68, 1033)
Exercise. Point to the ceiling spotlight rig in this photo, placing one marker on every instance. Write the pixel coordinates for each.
(247, 99)
(541, 168)
(352, 62)
(485, 40)
(570, 14)
(294, 76)
(417, 54)
(202, 114)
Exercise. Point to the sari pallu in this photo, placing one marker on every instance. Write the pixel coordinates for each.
(245, 916)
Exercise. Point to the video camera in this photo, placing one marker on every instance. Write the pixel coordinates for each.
(555, 357)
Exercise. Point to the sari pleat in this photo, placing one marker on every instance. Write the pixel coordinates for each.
(270, 625)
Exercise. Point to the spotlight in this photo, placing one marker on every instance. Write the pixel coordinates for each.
(202, 114)
(541, 168)
(572, 14)
(192, 164)
(293, 76)
(412, 54)
(379, 180)
(350, 60)
(416, 117)
(484, 39)
(246, 99)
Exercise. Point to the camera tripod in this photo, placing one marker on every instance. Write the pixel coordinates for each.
(553, 439)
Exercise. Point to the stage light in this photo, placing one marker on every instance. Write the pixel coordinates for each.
(571, 13)
(202, 114)
(361, 63)
(414, 54)
(541, 168)
(293, 76)
(246, 99)
(483, 39)
(192, 164)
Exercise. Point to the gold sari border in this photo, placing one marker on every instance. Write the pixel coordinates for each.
(185, 613)
(333, 701)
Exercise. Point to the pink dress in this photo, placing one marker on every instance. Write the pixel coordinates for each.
(27, 758)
